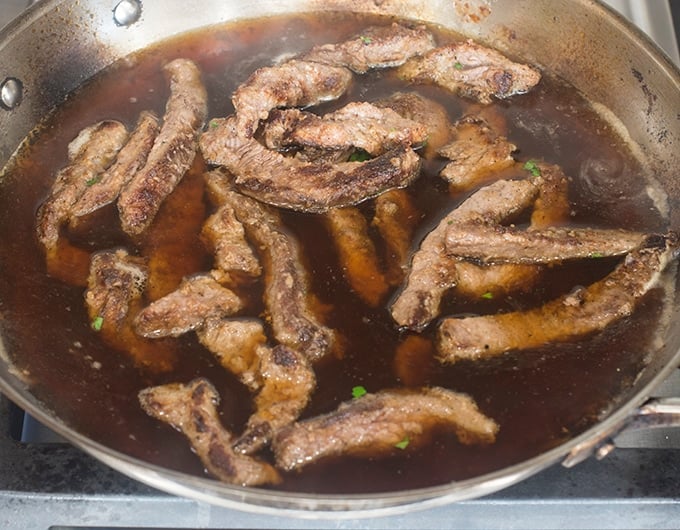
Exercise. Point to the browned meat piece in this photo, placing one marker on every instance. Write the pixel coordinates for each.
(471, 70)
(294, 83)
(475, 152)
(508, 244)
(191, 409)
(89, 154)
(116, 279)
(234, 343)
(374, 424)
(173, 150)
(130, 159)
(288, 383)
(552, 204)
(225, 235)
(375, 47)
(270, 177)
(420, 109)
(432, 271)
(361, 125)
(395, 218)
(579, 313)
(196, 300)
(357, 254)
(287, 297)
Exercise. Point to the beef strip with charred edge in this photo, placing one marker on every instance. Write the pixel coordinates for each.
(288, 381)
(432, 271)
(90, 153)
(420, 109)
(361, 125)
(173, 150)
(129, 160)
(287, 298)
(197, 299)
(235, 342)
(192, 410)
(287, 182)
(472, 71)
(357, 254)
(375, 47)
(374, 424)
(475, 152)
(294, 83)
(574, 315)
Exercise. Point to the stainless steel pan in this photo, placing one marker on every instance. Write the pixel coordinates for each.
(58, 44)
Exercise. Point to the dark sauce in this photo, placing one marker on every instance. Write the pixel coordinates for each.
(540, 397)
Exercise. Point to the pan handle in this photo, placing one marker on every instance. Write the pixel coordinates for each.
(661, 412)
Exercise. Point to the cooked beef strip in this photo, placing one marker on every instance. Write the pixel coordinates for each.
(294, 83)
(374, 424)
(197, 299)
(287, 297)
(234, 343)
(432, 271)
(375, 47)
(226, 236)
(287, 182)
(574, 315)
(475, 152)
(471, 70)
(496, 243)
(361, 125)
(395, 218)
(116, 278)
(288, 383)
(173, 150)
(129, 160)
(192, 410)
(90, 153)
(357, 254)
(420, 109)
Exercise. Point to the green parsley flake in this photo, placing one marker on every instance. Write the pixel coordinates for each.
(213, 124)
(596, 255)
(532, 168)
(403, 444)
(458, 66)
(93, 180)
(488, 295)
(365, 39)
(359, 156)
(358, 391)
(97, 323)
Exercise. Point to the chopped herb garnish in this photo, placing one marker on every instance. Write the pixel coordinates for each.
(596, 255)
(365, 39)
(458, 66)
(213, 124)
(359, 156)
(93, 180)
(532, 168)
(97, 323)
(358, 391)
(488, 295)
(403, 444)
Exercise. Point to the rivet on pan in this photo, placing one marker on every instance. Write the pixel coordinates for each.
(11, 92)
(127, 12)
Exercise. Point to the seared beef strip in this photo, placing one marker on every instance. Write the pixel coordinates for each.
(287, 182)
(234, 342)
(173, 150)
(192, 410)
(375, 47)
(361, 125)
(581, 312)
(287, 297)
(357, 254)
(475, 152)
(432, 271)
(130, 159)
(508, 244)
(294, 83)
(472, 71)
(288, 381)
(90, 153)
(197, 299)
(116, 279)
(374, 424)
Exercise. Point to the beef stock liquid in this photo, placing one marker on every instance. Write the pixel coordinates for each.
(540, 398)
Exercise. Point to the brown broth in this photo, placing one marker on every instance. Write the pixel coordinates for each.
(540, 397)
